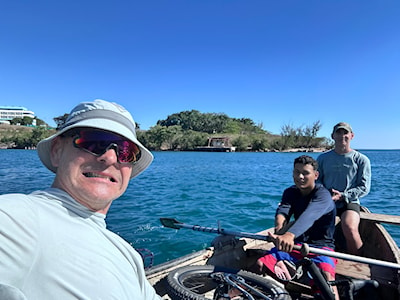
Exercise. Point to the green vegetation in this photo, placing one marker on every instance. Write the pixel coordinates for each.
(22, 137)
(22, 134)
(187, 130)
(27, 121)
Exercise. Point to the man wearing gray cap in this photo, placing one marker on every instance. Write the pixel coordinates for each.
(54, 243)
(347, 174)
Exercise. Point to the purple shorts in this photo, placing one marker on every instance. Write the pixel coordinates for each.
(325, 263)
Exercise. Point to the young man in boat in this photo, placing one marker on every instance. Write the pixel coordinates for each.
(314, 223)
(347, 174)
(54, 243)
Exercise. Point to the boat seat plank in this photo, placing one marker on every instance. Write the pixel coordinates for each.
(388, 219)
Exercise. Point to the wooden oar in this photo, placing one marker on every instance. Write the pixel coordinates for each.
(304, 249)
(388, 219)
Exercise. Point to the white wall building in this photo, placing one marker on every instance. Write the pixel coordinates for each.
(8, 113)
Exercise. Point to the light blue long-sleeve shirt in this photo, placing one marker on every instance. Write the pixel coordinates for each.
(52, 247)
(348, 173)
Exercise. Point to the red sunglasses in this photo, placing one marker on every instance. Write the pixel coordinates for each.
(98, 142)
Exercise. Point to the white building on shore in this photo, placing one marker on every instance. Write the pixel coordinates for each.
(7, 113)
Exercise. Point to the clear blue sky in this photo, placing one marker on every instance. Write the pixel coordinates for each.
(275, 62)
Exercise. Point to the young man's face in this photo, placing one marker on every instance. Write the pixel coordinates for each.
(342, 137)
(304, 176)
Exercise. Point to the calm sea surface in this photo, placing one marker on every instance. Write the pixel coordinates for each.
(241, 190)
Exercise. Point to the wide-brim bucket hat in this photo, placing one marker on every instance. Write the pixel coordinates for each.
(103, 115)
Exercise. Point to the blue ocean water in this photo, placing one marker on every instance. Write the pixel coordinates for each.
(239, 190)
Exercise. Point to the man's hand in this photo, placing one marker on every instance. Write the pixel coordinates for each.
(336, 195)
(284, 242)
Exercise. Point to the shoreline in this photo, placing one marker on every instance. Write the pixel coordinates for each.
(318, 150)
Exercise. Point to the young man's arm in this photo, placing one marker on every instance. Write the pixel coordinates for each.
(280, 222)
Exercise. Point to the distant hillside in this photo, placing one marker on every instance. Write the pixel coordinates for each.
(12, 136)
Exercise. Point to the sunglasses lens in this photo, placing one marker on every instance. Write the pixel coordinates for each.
(127, 151)
(98, 142)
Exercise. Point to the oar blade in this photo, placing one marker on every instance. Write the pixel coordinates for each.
(170, 223)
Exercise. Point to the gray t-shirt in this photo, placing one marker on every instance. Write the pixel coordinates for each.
(52, 247)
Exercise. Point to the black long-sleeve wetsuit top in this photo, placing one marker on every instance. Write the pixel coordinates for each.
(314, 215)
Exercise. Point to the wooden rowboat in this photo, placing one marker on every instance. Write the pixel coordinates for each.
(381, 261)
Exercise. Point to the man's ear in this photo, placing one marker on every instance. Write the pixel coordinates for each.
(56, 151)
(316, 175)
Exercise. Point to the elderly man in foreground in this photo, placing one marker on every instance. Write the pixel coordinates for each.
(54, 243)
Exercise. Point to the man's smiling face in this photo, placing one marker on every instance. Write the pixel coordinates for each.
(93, 181)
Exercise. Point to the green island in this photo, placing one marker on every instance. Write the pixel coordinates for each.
(188, 131)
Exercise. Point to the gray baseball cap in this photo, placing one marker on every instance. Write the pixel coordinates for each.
(342, 125)
(99, 114)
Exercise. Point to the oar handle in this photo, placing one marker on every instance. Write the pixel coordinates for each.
(304, 248)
